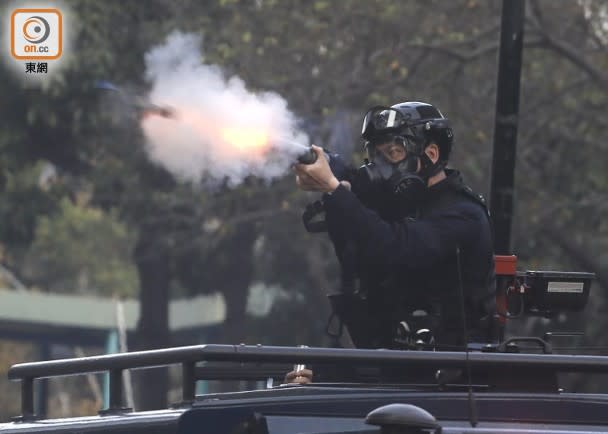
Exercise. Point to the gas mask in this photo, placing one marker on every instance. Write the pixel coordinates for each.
(401, 178)
(397, 178)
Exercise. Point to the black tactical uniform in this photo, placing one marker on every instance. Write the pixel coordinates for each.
(407, 270)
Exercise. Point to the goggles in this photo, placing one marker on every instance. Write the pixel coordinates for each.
(375, 145)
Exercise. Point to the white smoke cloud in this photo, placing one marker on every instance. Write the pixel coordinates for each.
(220, 129)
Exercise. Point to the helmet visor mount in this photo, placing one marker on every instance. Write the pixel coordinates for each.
(382, 121)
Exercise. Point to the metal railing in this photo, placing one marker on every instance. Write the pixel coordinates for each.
(189, 356)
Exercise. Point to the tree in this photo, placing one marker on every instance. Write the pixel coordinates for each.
(82, 249)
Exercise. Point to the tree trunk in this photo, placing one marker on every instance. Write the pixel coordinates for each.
(152, 259)
(235, 280)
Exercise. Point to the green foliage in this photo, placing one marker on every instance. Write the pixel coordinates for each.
(22, 200)
(82, 249)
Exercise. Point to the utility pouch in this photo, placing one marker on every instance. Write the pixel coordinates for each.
(350, 310)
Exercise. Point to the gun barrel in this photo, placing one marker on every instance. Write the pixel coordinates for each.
(307, 157)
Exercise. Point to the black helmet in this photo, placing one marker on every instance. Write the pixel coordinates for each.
(419, 122)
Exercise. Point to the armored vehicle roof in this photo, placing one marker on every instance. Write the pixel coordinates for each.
(506, 393)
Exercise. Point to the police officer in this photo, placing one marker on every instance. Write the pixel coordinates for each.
(413, 241)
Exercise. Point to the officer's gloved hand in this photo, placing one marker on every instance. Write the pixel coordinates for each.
(303, 376)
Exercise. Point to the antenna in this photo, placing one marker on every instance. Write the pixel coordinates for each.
(472, 407)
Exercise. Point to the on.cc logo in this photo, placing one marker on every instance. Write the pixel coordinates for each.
(36, 34)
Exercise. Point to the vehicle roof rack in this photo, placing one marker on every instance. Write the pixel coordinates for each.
(189, 356)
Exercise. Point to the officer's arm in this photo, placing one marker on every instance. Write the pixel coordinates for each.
(411, 243)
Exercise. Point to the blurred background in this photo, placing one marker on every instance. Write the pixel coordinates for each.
(104, 250)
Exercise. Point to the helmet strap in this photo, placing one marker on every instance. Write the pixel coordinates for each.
(429, 169)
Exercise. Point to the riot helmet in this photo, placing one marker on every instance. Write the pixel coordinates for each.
(412, 125)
